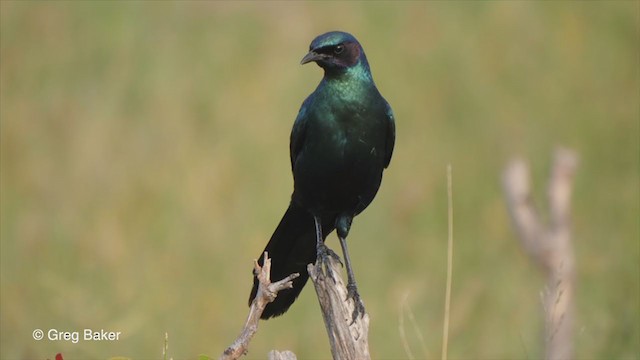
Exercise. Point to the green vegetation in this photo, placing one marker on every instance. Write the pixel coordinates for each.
(145, 163)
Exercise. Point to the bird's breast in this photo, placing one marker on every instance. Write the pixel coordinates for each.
(344, 144)
(340, 164)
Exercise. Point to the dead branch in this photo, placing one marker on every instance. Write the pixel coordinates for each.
(267, 292)
(348, 339)
(549, 246)
(281, 355)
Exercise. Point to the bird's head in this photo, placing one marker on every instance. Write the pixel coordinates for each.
(337, 53)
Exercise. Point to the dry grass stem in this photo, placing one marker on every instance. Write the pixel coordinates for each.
(447, 301)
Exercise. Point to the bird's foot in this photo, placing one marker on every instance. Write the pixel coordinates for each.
(323, 254)
(358, 305)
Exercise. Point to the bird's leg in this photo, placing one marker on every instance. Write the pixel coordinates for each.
(352, 289)
(322, 251)
(343, 225)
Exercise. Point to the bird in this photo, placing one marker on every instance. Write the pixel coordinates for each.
(341, 142)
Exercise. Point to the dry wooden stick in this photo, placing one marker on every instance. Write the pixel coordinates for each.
(281, 355)
(349, 339)
(267, 292)
(549, 246)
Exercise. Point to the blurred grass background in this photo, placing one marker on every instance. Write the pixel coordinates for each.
(145, 163)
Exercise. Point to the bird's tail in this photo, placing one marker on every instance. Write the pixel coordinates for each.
(291, 248)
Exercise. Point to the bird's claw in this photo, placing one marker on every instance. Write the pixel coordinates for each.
(358, 305)
(323, 254)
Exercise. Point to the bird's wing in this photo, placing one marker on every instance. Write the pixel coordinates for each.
(391, 136)
(298, 133)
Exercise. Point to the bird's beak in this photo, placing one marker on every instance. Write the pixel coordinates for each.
(311, 56)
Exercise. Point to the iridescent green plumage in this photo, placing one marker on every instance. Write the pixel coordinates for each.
(341, 142)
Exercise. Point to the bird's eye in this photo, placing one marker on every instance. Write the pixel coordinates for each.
(338, 49)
